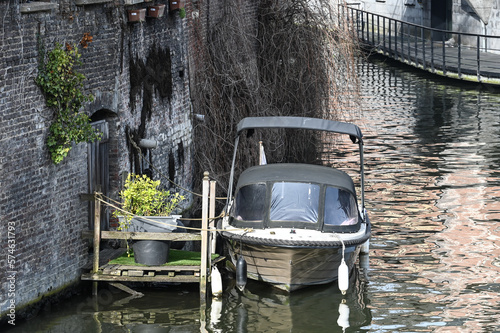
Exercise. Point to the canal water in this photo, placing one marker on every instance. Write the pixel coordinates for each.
(433, 183)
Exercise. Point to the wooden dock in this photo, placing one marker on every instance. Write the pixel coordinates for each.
(104, 270)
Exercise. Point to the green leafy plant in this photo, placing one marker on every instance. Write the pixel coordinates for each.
(182, 13)
(142, 197)
(63, 89)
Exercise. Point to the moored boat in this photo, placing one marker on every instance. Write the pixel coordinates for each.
(295, 224)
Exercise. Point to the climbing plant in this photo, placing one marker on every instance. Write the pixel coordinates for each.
(62, 86)
(292, 59)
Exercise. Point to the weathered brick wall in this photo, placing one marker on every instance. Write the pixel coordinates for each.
(39, 200)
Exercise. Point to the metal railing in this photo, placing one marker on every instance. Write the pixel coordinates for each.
(466, 56)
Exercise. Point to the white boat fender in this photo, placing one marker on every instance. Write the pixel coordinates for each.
(343, 320)
(241, 273)
(343, 277)
(216, 282)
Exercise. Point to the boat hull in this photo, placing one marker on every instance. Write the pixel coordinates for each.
(290, 268)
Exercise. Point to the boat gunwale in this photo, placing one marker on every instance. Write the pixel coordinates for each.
(294, 243)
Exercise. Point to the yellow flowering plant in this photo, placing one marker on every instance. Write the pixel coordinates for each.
(142, 197)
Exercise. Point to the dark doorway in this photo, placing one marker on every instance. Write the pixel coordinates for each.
(98, 171)
(441, 11)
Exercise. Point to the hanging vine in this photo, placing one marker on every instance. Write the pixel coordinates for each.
(294, 60)
(62, 86)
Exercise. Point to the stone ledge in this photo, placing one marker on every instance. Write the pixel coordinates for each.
(89, 2)
(33, 7)
(132, 2)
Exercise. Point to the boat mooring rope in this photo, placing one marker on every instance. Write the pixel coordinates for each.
(101, 198)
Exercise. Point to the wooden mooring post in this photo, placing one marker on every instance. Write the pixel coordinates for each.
(204, 238)
(97, 241)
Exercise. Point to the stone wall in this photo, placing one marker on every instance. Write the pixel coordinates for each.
(413, 11)
(137, 73)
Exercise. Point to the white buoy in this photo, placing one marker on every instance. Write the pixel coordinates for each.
(343, 277)
(216, 282)
(343, 320)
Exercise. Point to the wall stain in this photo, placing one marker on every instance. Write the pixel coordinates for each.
(147, 78)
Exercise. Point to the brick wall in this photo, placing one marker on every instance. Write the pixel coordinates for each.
(40, 200)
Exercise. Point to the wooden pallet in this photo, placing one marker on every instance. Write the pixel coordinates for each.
(113, 272)
(136, 273)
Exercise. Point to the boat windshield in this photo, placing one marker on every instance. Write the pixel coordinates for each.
(250, 203)
(340, 207)
(297, 202)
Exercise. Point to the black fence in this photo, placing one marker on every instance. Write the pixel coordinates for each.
(454, 54)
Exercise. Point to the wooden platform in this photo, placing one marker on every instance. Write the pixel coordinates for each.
(111, 272)
(123, 273)
(115, 272)
(133, 273)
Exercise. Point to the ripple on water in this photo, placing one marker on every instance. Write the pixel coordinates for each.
(432, 153)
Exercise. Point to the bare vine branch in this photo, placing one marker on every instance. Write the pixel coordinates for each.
(296, 60)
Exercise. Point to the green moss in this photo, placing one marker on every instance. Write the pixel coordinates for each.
(175, 258)
(23, 310)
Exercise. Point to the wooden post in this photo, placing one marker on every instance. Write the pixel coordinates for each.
(204, 239)
(211, 215)
(97, 240)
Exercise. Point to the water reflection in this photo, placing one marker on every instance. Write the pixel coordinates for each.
(261, 308)
(161, 310)
(433, 189)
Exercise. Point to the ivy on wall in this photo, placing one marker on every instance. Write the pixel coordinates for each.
(62, 86)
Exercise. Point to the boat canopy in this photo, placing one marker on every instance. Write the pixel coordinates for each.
(294, 172)
(304, 123)
(295, 196)
(301, 123)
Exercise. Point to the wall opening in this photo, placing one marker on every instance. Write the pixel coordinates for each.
(99, 162)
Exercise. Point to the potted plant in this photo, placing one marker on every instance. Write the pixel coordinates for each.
(147, 208)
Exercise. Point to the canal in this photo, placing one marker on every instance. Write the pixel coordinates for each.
(433, 183)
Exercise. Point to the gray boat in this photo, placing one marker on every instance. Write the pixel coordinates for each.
(295, 224)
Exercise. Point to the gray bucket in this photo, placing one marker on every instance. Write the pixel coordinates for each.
(151, 252)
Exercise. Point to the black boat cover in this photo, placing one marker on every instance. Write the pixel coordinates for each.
(295, 172)
(295, 196)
